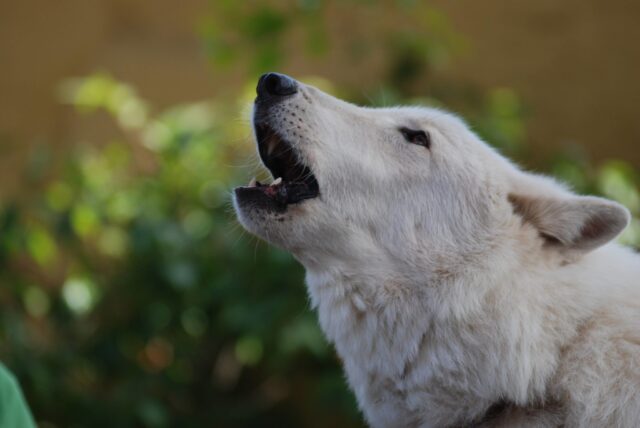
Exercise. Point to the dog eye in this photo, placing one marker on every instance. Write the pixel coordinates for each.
(416, 136)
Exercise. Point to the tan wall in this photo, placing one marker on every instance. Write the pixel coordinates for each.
(148, 43)
(575, 63)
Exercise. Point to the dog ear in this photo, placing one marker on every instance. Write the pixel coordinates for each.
(578, 223)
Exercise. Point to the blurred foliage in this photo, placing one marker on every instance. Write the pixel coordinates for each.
(130, 295)
(412, 37)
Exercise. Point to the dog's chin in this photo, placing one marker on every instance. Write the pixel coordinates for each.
(279, 228)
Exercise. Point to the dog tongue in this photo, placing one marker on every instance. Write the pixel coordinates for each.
(289, 193)
(279, 193)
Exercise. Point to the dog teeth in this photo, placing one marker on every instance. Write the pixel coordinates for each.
(277, 181)
(253, 182)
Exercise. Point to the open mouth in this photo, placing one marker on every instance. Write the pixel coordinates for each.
(293, 180)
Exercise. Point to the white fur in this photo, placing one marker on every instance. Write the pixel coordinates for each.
(449, 280)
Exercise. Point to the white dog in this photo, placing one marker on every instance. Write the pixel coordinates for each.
(457, 289)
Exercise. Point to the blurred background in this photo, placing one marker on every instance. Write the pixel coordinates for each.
(129, 295)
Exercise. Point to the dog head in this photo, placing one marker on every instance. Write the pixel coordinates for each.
(407, 187)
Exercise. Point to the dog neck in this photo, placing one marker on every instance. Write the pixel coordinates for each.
(394, 327)
(381, 281)
(368, 309)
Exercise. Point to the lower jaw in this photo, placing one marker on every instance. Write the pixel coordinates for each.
(256, 197)
(282, 193)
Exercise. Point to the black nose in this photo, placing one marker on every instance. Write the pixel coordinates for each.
(276, 84)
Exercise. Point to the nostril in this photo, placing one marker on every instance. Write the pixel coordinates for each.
(272, 84)
(276, 84)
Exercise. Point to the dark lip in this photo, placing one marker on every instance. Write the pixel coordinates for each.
(281, 159)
